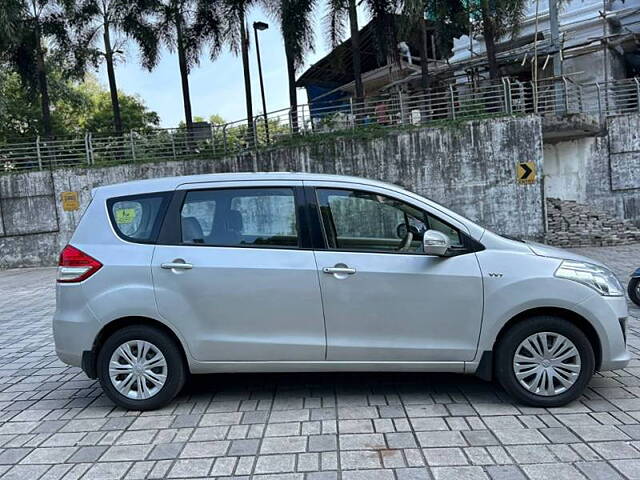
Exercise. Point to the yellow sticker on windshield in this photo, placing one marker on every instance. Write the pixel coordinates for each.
(125, 215)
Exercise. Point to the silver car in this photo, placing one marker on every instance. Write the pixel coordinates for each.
(304, 272)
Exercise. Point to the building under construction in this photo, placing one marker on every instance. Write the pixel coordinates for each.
(586, 41)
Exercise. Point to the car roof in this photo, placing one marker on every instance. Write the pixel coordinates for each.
(170, 183)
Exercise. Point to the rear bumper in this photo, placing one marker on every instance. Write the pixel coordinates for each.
(74, 326)
(72, 339)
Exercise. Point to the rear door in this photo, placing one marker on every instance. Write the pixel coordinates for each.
(234, 271)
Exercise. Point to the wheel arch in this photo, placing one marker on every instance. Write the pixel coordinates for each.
(485, 367)
(89, 359)
(569, 315)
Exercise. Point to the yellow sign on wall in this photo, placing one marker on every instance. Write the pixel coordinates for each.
(526, 172)
(70, 201)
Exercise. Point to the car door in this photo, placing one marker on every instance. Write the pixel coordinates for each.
(234, 273)
(384, 299)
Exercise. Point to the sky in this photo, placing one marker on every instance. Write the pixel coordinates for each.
(217, 87)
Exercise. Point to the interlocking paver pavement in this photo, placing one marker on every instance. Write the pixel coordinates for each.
(56, 424)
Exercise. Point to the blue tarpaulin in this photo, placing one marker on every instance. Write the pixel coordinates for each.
(329, 103)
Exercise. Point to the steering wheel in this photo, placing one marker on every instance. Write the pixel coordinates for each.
(406, 242)
(405, 232)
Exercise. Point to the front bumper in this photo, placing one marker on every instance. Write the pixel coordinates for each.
(609, 316)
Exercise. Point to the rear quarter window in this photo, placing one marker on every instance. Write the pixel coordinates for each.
(137, 218)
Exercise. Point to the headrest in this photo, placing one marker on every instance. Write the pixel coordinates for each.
(234, 221)
(192, 230)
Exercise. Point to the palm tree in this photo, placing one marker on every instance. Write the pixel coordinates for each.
(381, 13)
(33, 28)
(94, 17)
(339, 12)
(499, 18)
(174, 27)
(234, 13)
(9, 14)
(446, 19)
(294, 17)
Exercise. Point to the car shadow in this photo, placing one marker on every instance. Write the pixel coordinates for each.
(349, 383)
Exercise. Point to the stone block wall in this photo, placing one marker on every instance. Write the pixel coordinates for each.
(572, 224)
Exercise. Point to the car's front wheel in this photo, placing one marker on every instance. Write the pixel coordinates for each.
(140, 368)
(544, 361)
(633, 289)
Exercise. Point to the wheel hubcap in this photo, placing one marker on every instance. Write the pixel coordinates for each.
(138, 369)
(546, 363)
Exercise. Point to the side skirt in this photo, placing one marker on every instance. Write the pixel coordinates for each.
(325, 366)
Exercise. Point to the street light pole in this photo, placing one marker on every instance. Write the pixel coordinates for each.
(261, 26)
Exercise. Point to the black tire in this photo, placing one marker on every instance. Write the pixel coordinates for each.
(176, 369)
(632, 290)
(506, 350)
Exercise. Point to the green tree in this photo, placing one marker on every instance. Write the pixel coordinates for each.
(77, 107)
(216, 119)
(93, 19)
(20, 110)
(98, 118)
(37, 29)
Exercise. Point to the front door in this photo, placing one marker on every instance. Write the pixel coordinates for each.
(384, 299)
(238, 282)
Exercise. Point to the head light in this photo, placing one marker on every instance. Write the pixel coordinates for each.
(599, 278)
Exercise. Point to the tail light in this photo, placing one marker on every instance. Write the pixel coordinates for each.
(75, 265)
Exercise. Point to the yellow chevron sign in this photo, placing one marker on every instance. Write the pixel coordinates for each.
(526, 172)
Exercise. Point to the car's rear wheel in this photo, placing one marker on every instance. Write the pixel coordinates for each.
(141, 368)
(544, 361)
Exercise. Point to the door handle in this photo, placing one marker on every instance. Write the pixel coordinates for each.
(176, 266)
(339, 270)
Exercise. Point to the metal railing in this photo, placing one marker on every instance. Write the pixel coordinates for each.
(559, 97)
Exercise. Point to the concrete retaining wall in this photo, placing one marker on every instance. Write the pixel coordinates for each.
(468, 167)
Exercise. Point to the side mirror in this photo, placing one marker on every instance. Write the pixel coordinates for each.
(435, 243)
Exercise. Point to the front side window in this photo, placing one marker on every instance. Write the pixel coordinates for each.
(137, 218)
(366, 221)
(240, 217)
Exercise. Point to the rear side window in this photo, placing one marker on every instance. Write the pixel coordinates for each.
(240, 217)
(137, 218)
